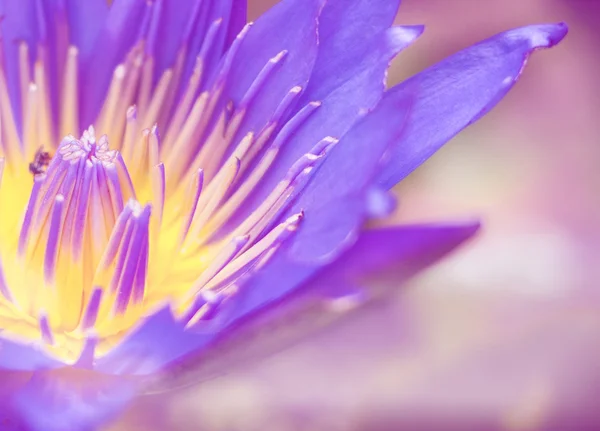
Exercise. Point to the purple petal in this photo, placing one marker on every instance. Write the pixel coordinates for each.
(70, 399)
(121, 30)
(171, 25)
(289, 27)
(335, 203)
(12, 382)
(343, 104)
(25, 357)
(459, 90)
(355, 89)
(231, 15)
(237, 20)
(160, 340)
(348, 31)
(19, 24)
(186, 22)
(86, 19)
(157, 341)
(404, 249)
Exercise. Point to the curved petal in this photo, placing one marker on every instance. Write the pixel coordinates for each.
(348, 31)
(185, 23)
(161, 340)
(354, 91)
(85, 22)
(121, 30)
(231, 16)
(28, 21)
(12, 382)
(157, 341)
(284, 37)
(287, 293)
(168, 27)
(357, 92)
(239, 12)
(407, 249)
(335, 201)
(18, 24)
(459, 90)
(171, 22)
(25, 357)
(70, 399)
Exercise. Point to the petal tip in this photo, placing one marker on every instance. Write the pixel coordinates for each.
(412, 31)
(406, 34)
(473, 226)
(546, 35)
(560, 31)
(465, 227)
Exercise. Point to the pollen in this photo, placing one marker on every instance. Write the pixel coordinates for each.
(100, 226)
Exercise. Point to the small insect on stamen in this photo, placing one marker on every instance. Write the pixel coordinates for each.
(40, 162)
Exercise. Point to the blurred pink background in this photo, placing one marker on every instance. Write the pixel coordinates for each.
(502, 335)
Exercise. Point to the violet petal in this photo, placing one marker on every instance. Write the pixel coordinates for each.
(85, 22)
(26, 357)
(335, 202)
(20, 25)
(121, 30)
(459, 90)
(357, 87)
(404, 249)
(289, 27)
(160, 340)
(70, 399)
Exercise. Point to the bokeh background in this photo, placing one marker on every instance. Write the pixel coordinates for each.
(505, 333)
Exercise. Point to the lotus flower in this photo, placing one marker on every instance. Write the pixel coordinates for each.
(168, 170)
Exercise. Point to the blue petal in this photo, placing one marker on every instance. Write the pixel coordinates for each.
(26, 357)
(186, 22)
(405, 250)
(335, 205)
(86, 19)
(343, 105)
(171, 25)
(237, 19)
(20, 23)
(157, 341)
(354, 88)
(121, 30)
(459, 90)
(160, 340)
(289, 27)
(348, 31)
(166, 26)
(335, 202)
(70, 399)
(231, 15)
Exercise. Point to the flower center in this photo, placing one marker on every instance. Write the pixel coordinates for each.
(96, 233)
